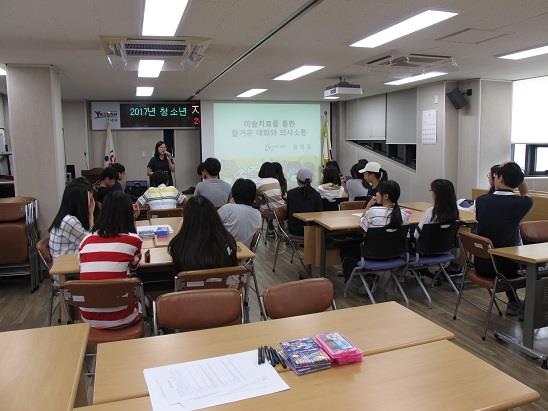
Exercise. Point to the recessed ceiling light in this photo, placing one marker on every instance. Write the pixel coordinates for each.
(537, 51)
(162, 17)
(252, 92)
(2, 71)
(150, 68)
(420, 21)
(298, 72)
(418, 77)
(331, 98)
(144, 91)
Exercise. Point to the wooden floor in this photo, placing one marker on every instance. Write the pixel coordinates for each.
(21, 309)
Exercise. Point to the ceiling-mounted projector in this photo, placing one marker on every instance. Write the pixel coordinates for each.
(343, 88)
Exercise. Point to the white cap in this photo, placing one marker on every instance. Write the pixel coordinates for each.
(371, 167)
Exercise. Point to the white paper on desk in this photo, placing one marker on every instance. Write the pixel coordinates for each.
(213, 381)
(357, 214)
(154, 228)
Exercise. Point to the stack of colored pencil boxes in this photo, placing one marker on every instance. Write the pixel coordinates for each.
(306, 355)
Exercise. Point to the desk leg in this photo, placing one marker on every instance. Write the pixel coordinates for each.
(81, 399)
(529, 314)
(322, 252)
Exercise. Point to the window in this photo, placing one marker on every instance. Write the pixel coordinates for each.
(532, 158)
(401, 153)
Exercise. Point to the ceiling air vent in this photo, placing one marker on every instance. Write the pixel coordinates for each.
(125, 52)
(397, 62)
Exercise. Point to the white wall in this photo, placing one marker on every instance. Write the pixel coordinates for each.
(134, 148)
(75, 134)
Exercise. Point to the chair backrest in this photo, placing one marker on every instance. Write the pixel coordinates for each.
(534, 231)
(103, 293)
(308, 296)
(383, 243)
(224, 277)
(281, 214)
(475, 245)
(168, 212)
(438, 238)
(352, 205)
(43, 250)
(198, 309)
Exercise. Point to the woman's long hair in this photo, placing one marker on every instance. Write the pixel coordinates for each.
(331, 175)
(355, 173)
(116, 216)
(74, 203)
(203, 241)
(445, 205)
(156, 154)
(392, 190)
(280, 176)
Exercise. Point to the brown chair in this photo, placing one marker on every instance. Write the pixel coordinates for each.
(168, 212)
(18, 238)
(197, 309)
(280, 215)
(106, 294)
(303, 297)
(534, 231)
(475, 246)
(45, 258)
(352, 205)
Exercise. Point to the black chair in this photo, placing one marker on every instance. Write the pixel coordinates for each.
(433, 248)
(383, 250)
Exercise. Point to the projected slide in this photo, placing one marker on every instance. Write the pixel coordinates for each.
(247, 134)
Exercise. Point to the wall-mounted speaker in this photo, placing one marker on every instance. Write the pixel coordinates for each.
(457, 98)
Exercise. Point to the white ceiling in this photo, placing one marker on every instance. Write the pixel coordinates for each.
(65, 33)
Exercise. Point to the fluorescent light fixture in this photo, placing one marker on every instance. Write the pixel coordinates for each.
(144, 91)
(150, 68)
(252, 92)
(2, 71)
(162, 17)
(418, 77)
(298, 72)
(331, 98)
(537, 51)
(418, 22)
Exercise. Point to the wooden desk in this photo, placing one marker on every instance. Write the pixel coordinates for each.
(428, 377)
(174, 222)
(69, 264)
(42, 368)
(532, 255)
(374, 328)
(142, 223)
(416, 205)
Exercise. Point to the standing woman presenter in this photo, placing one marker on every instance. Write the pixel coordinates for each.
(162, 162)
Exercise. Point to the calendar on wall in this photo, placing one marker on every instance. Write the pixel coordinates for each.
(429, 127)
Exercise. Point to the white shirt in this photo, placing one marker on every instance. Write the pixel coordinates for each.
(379, 217)
(426, 219)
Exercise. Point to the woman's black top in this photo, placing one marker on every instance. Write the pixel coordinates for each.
(158, 165)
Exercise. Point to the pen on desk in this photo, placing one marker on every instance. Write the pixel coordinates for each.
(267, 354)
(274, 356)
(282, 360)
(259, 359)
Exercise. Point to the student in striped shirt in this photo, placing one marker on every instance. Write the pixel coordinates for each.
(110, 252)
(161, 196)
(268, 188)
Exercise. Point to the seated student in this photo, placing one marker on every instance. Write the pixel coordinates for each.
(333, 163)
(73, 221)
(356, 186)
(239, 217)
(499, 215)
(491, 176)
(268, 188)
(110, 252)
(445, 209)
(331, 188)
(160, 196)
(107, 179)
(121, 175)
(381, 211)
(373, 174)
(212, 187)
(203, 241)
(302, 199)
(280, 177)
